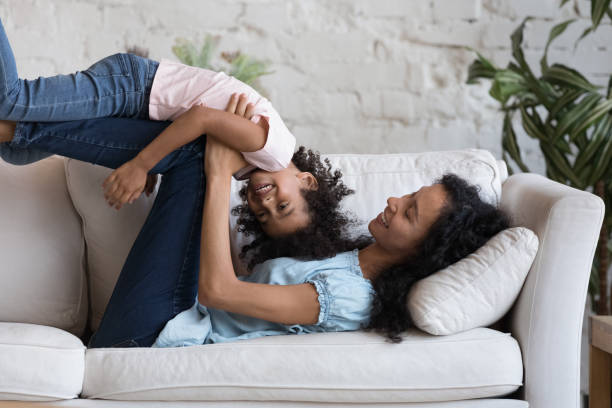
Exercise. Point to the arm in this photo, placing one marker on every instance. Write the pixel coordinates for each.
(218, 286)
(233, 130)
(126, 183)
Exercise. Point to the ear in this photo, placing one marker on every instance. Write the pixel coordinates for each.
(308, 181)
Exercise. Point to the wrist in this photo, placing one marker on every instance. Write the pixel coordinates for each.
(145, 160)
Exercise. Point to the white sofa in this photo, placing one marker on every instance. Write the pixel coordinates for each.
(53, 285)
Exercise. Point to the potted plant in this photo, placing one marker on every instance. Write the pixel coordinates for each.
(570, 117)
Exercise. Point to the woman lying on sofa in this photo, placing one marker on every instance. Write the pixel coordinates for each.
(335, 285)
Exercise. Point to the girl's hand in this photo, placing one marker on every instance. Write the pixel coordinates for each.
(125, 184)
(238, 105)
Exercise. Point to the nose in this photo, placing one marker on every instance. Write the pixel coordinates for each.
(392, 202)
(268, 202)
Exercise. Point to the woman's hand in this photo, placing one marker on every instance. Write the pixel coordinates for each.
(220, 159)
(126, 183)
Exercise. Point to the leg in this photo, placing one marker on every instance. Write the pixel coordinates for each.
(117, 85)
(109, 142)
(160, 275)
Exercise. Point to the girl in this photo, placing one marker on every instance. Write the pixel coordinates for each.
(126, 85)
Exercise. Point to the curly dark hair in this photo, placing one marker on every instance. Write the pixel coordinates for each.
(328, 231)
(464, 225)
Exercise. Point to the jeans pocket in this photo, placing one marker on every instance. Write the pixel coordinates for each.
(113, 65)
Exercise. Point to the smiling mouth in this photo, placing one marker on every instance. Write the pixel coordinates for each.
(262, 189)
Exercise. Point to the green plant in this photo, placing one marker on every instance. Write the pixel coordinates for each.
(569, 116)
(242, 67)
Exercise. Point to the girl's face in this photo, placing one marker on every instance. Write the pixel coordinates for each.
(404, 223)
(276, 199)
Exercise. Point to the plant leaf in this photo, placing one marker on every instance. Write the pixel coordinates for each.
(575, 113)
(531, 126)
(554, 33)
(509, 143)
(560, 164)
(565, 76)
(586, 32)
(597, 140)
(568, 97)
(603, 163)
(517, 51)
(598, 9)
(600, 110)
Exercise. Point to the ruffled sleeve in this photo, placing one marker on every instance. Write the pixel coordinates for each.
(345, 300)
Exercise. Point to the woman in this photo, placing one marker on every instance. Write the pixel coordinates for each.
(414, 236)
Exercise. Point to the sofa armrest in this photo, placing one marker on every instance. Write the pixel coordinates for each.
(548, 314)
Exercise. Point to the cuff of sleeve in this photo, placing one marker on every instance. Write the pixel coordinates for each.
(276, 153)
(323, 300)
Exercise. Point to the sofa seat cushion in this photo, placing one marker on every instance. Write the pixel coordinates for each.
(39, 363)
(352, 367)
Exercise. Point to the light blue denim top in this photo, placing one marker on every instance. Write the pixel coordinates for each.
(345, 299)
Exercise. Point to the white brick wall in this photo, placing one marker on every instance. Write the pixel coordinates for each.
(350, 75)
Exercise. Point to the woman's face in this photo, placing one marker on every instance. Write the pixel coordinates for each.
(276, 199)
(404, 223)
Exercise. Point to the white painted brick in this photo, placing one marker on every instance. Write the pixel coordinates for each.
(496, 32)
(456, 9)
(270, 17)
(452, 135)
(399, 105)
(198, 15)
(417, 9)
(453, 32)
(316, 46)
(517, 9)
(339, 76)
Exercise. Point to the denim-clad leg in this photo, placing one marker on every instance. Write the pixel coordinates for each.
(160, 275)
(118, 85)
(109, 142)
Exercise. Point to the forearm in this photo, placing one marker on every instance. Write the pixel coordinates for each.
(183, 130)
(216, 268)
(234, 131)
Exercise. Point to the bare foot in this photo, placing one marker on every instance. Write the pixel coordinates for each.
(7, 130)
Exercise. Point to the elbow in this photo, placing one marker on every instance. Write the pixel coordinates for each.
(215, 294)
(208, 296)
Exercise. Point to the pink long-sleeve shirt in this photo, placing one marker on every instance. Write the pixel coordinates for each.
(177, 87)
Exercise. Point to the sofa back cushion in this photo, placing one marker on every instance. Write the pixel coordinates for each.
(42, 273)
(109, 233)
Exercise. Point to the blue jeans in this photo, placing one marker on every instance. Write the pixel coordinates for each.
(118, 85)
(160, 275)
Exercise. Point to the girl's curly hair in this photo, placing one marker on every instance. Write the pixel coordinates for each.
(328, 231)
(464, 225)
